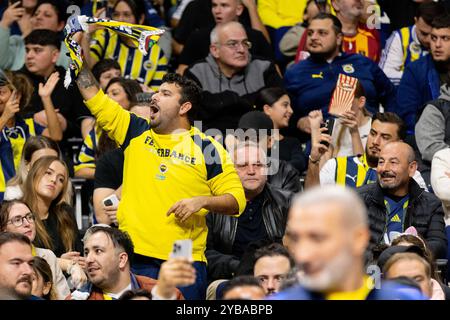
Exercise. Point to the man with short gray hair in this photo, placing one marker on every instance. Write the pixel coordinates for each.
(230, 77)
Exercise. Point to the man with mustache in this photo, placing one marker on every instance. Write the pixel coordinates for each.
(16, 267)
(108, 254)
(358, 170)
(327, 234)
(396, 201)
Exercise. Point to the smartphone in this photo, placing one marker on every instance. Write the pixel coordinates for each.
(182, 249)
(329, 124)
(14, 1)
(112, 200)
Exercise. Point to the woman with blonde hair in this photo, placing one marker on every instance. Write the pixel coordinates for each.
(45, 190)
(35, 148)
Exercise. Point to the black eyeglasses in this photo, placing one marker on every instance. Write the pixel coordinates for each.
(18, 220)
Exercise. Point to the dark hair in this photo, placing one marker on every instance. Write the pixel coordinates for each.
(337, 25)
(137, 7)
(120, 239)
(43, 37)
(359, 90)
(428, 11)
(419, 242)
(130, 294)
(23, 86)
(6, 237)
(241, 281)
(390, 117)
(131, 87)
(190, 91)
(273, 250)
(5, 208)
(441, 21)
(269, 96)
(42, 267)
(60, 7)
(103, 66)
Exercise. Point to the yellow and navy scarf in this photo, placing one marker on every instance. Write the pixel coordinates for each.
(144, 37)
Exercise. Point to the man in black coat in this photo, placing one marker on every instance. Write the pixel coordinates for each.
(396, 201)
(264, 217)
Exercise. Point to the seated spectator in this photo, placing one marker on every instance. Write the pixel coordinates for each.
(408, 44)
(104, 44)
(197, 45)
(272, 264)
(413, 266)
(291, 40)
(264, 216)
(354, 171)
(433, 126)
(42, 280)
(42, 51)
(49, 14)
(123, 91)
(15, 92)
(230, 77)
(24, 11)
(108, 254)
(421, 81)
(311, 82)
(243, 288)
(257, 127)
(15, 278)
(396, 202)
(109, 171)
(105, 70)
(16, 216)
(34, 148)
(440, 178)
(45, 189)
(276, 103)
(328, 232)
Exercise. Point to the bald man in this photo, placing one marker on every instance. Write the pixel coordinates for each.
(327, 234)
(396, 202)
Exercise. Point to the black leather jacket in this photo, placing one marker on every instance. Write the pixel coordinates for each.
(286, 177)
(222, 231)
(424, 212)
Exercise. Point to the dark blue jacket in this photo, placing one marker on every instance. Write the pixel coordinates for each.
(310, 84)
(388, 291)
(419, 84)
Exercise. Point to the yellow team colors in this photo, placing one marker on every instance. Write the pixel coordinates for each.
(160, 170)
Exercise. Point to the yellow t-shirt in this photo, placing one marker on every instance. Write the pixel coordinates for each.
(359, 294)
(160, 170)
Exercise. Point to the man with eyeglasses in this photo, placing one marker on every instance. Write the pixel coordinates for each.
(263, 220)
(396, 201)
(230, 77)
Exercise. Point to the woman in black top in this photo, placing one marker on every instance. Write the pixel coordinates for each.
(276, 103)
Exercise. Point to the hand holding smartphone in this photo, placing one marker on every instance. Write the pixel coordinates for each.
(182, 249)
(112, 200)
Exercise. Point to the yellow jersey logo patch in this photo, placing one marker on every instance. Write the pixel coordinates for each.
(348, 68)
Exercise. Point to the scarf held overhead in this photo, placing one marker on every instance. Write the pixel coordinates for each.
(144, 37)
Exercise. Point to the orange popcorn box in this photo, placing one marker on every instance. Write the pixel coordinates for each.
(343, 95)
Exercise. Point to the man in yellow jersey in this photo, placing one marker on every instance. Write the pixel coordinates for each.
(358, 170)
(327, 233)
(173, 174)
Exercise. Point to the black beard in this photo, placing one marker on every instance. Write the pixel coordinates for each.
(321, 57)
(372, 161)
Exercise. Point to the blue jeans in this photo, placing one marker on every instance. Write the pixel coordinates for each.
(197, 291)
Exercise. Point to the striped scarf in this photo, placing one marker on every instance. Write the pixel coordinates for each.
(144, 37)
